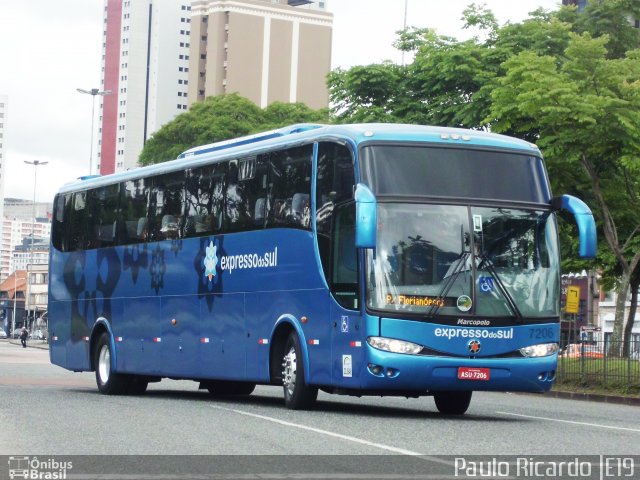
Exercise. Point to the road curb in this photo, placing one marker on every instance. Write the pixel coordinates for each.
(591, 397)
(31, 344)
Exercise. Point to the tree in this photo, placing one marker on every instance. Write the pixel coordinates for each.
(365, 94)
(586, 108)
(565, 80)
(221, 118)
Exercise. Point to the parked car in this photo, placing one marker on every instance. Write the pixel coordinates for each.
(3, 334)
(37, 335)
(581, 350)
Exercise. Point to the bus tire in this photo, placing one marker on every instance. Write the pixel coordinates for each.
(452, 403)
(223, 387)
(297, 394)
(109, 382)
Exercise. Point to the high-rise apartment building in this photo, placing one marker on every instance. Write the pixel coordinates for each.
(145, 67)
(15, 243)
(265, 50)
(3, 159)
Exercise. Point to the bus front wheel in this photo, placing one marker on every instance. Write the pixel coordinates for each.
(297, 394)
(452, 403)
(109, 382)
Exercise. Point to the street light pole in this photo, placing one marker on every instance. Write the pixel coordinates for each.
(35, 164)
(404, 26)
(15, 294)
(93, 92)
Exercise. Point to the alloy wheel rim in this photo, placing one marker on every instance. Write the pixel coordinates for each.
(104, 364)
(289, 371)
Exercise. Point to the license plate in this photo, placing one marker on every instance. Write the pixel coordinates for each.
(469, 373)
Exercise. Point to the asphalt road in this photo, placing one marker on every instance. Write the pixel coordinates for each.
(47, 410)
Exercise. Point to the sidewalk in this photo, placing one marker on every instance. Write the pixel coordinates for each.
(595, 397)
(43, 345)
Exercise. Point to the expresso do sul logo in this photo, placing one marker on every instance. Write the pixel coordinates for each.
(229, 263)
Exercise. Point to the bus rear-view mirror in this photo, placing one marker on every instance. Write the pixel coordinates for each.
(366, 217)
(584, 220)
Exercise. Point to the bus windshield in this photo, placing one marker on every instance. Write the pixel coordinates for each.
(464, 260)
(422, 170)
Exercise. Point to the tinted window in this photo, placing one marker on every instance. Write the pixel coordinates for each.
(61, 217)
(205, 200)
(166, 206)
(452, 172)
(334, 186)
(133, 200)
(102, 216)
(290, 188)
(246, 193)
(77, 224)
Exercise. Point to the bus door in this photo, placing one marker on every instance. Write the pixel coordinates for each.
(335, 214)
(348, 340)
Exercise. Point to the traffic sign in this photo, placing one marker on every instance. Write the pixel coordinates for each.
(573, 299)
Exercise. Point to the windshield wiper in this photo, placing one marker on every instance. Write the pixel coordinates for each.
(460, 267)
(486, 261)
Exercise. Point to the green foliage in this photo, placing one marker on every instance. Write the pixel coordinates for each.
(366, 93)
(566, 80)
(221, 118)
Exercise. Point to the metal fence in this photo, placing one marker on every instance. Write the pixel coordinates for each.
(600, 364)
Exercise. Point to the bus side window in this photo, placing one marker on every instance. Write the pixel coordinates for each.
(290, 188)
(77, 226)
(133, 204)
(167, 206)
(61, 217)
(246, 193)
(103, 208)
(205, 200)
(344, 278)
(335, 181)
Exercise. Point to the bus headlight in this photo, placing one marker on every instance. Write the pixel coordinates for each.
(540, 350)
(394, 346)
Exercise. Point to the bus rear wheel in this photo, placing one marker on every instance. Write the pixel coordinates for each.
(109, 382)
(452, 403)
(297, 394)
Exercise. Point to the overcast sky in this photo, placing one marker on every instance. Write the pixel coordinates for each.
(49, 48)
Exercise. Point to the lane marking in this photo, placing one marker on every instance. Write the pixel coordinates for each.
(570, 421)
(348, 438)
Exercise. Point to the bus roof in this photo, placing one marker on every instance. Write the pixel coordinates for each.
(304, 133)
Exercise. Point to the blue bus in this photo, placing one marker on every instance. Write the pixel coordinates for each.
(357, 259)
